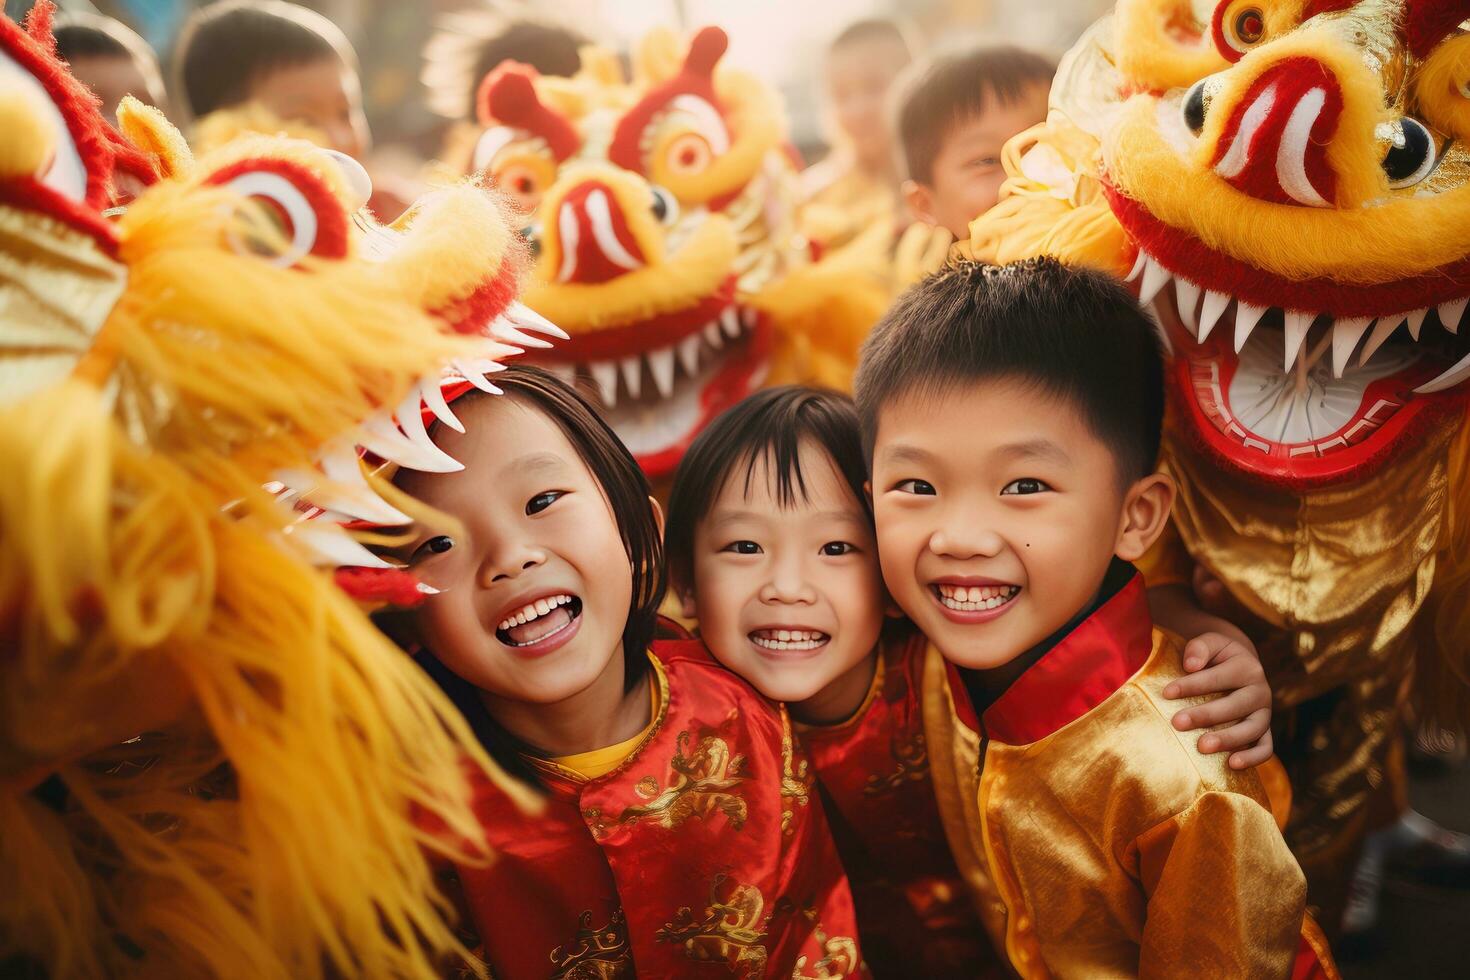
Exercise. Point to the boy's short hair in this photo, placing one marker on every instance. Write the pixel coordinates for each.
(769, 425)
(226, 47)
(952, 87)
(1074, 332)
(470, 45)
(875, 29)
(80, 34)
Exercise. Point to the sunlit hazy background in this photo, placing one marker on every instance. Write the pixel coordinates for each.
(781, 40)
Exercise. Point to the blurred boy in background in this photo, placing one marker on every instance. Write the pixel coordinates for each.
(269, 66)
(955, 114)
(857, 184)
(111, 59)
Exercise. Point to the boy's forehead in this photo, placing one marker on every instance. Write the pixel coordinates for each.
(964, 417)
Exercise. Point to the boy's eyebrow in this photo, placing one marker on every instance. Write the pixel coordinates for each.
(1038, 449)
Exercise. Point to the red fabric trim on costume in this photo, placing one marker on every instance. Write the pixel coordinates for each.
(1292, 79)
(1428, 22)
(644, 335)
(1077, 674)
(1184, 255)
(331, 216)
(475, 312)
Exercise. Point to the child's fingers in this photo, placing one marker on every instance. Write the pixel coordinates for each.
(1254, 756)
(1231, 708)
(1220, 679)
(1242, 735)
(1208, 648)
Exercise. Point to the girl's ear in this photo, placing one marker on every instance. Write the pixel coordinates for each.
(658, 515)
(1146, 508)
(687, 608)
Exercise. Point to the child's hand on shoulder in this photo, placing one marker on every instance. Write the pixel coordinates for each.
(1218, 663)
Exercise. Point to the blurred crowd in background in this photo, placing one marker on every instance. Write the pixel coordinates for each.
(396, 77)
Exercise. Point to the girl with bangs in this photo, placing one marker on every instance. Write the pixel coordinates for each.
(679, 832)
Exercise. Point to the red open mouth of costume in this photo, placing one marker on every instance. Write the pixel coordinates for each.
(1299, 383)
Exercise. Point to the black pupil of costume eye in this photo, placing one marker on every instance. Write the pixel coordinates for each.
(1249, 26)
(1402, 162)
(1194, 108)
(660, 206)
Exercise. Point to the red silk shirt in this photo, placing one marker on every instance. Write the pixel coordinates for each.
(914, 913)
(705, 853)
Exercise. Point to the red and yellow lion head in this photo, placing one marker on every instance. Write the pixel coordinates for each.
(1309, 204)
(661, 210)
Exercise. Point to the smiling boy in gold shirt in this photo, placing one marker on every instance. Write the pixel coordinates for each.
(1012, 416)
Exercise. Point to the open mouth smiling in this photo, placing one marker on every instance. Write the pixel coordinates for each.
(794, 639)
(542, 624)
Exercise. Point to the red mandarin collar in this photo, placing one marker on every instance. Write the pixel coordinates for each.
(1082, 671)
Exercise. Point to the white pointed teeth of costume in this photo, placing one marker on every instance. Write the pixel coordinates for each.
(1201, 311)
(657, 370)
(519, 325)
(327, 545)
(340, 488)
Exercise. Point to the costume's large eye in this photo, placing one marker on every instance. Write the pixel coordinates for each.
(65, 174)
(1248, 26)
(1238, 27)
(688, 154)
(1411, 154)
(278, 224)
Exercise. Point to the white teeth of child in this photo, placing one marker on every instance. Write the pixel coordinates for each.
(788, 639)
(1346, 331)
(533, 610)
(976, 598)
(625, 377)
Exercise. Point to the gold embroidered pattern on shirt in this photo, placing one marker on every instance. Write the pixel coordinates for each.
(596, 953)
(840, 957)
(731, 930)
(704, 783)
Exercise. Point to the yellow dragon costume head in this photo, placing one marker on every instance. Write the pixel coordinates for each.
(210, 761)
(1288, 184)
(662, 212)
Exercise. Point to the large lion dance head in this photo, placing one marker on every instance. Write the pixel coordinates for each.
(1309, 205)
(210, 761)
(661, 208)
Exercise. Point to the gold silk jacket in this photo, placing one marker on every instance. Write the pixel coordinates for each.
(1095, 839)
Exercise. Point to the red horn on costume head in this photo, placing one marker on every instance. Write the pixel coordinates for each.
(508, 96)
(1427, 22)
(705, 51)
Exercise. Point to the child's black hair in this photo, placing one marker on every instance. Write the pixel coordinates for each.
(472, 44)
(875, 29)
(1076, 333)
(628, 492)
(225, 48)
(954, 87)
(80, 34)
(768, 426)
